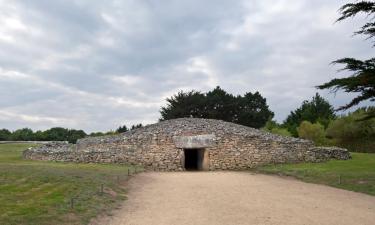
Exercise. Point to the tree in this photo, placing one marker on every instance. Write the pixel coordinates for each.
(362, 79)
(136, 126)
(219, 104)
(190, 104)
(74, 135)
(316, 110)
(122, 129)
(40, 136)
(252, 110)
(24, 134)
(57, 134)
(5, 135)
(63, 134)
(249, 110)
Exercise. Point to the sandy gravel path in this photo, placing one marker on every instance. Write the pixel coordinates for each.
(236, 198)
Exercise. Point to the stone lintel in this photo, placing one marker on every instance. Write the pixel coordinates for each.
(197, 141)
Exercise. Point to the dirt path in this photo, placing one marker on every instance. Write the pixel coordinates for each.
(236, 198)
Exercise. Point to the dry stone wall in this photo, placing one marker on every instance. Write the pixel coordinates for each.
(160, 147)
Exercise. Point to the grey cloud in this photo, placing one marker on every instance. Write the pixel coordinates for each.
(98, 64)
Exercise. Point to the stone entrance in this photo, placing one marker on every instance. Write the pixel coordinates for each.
(194, 159)
(195, 150)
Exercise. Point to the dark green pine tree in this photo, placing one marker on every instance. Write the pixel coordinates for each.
(249, 110)
(122, 129)
(362, 79)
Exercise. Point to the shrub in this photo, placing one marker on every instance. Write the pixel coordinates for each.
(350, 131)
(352, 127)
(275, 128)
(281, 131)
(314, 132)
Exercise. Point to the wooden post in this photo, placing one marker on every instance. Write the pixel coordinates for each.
(340, 179)
(101, 188)
(72, 203)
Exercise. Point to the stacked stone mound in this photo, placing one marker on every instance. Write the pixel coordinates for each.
(231, 146)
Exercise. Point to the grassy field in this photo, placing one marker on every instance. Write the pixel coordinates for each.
(33, 192)
(357, 174)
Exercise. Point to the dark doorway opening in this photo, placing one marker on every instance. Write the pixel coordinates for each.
(194, 159)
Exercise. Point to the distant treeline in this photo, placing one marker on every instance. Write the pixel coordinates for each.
(315, 120)
(55, 134)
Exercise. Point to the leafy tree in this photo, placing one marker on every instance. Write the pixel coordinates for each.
(57, 134)
(5, 135)
(40, 136)
(24, 134)
(122, 129)
(74, 135)
(249, 110)
(63, 134)
(316, 110)
(362, 80)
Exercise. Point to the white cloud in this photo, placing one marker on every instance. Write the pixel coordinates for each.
(34, 119)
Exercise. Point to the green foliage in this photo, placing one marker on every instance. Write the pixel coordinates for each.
(24, 134)
(270, 124)
(5, 134)
(356, 174)
(314, 132)
(362, 79)
(63, 134)
(354, 133)
(275, 128)
(249, 110)
(352, 9)
(252, 110)
(36, 192)
(281, 131)
(189, 104)
(96, 134)
(352, 127)
(53, 134)
(74, 135)
(111, 132)
(122, 129)
(316, 110)
(136, 126)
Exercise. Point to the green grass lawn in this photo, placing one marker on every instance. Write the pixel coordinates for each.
(357, 174)
(35, 192)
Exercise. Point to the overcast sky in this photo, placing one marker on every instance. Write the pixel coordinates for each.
(95, 65)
